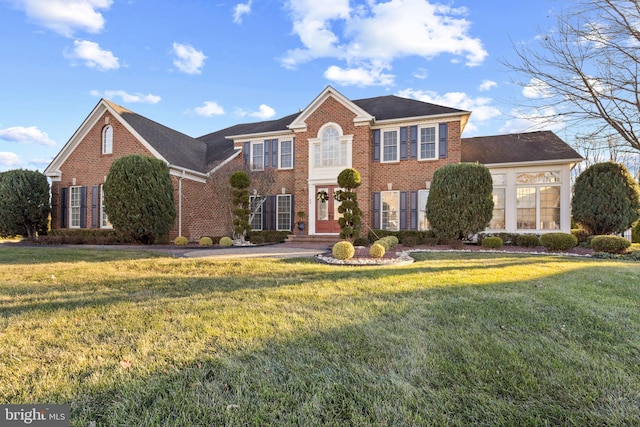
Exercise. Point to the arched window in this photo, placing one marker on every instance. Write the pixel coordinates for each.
(107, 140)
(330, 151)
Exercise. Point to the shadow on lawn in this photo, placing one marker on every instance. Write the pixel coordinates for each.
(430, 358)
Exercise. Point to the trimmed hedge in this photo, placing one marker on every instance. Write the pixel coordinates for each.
(205, 241)
(528, 240)
(268, 236)
(377, 250)
(181, 241)
(226, 241)
(492, 242)
(558, 241)
(610, 244)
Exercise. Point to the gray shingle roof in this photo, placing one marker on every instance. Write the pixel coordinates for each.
(517, 148)
(394, 107)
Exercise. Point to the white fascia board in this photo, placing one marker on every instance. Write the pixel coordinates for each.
(260, 135)
(361, 115)
(187, 173)
(417, 120)
(534, 163)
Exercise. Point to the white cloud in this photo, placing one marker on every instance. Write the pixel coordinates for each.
(127, 97)
(240, 10)
(93, 56)
(487, 85)
(209, 109)
(264, 112)
(481, 107)
(545, 118)
(26, 135)
(188, 59)
(374, 34)
(8, 159)
(66, 16)
(421, 74)
(358, 76)
(536, 89)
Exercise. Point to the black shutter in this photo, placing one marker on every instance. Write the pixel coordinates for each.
(413, 142)
(376, 145)
(265, 212)
(272, 212)
(274, 153)
(247, 152)
(403, 210)
(443, 140)
(404, 151)
(64, 213)
(293, 216)
(267, 153)
(83, 207)
(95, 211)
(293, 152)
(413, 210)
(376, 211)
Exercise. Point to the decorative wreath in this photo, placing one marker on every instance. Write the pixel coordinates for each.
(322, 196)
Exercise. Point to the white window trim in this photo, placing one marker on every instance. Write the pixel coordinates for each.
(537, 187)
(280, 142)
(278, 213)
(382, 132)
(437, 143)
(107, 149)
(345, 145)
(422, 208)
(71, 207)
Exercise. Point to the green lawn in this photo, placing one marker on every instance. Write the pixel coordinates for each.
(138, 339)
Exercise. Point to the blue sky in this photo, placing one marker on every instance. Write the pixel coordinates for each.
(202, 65)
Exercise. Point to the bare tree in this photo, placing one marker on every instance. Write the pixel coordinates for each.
(262, 185)
(586, 70)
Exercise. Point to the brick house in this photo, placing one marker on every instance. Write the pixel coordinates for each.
(395, 143)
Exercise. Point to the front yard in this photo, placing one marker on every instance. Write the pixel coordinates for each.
(140, 339)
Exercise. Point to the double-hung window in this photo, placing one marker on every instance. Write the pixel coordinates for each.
(255, 205)
(428, 143)
(390, 210)
(286, 154)
(104, 221)
(74, 207)
(498, 220)
(283, 212)
(423, 223)
(390, 146)
(257, 156)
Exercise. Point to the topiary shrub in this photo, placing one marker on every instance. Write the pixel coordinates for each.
(558, 241)
(138, 198)
(240, 183)
(181, 241)
(351, 220)
(460, 201)
(205, 241)
(527, 240)
(377, 250)
(226, 241)
(492, 242)
(610, 244)
(343, 250)
(394, 241)
(606, 199)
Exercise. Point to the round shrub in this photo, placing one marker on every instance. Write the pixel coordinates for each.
(558, 241)
(610, 244)
(492, 242)
(181, 241)
(376, 250)
(205, 241)
(343, 250)
(226, 241)
(635, 233)
(394, 241)
(527, 241)
(349, 178)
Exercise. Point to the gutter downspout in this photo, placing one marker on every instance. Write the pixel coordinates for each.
(180, 203)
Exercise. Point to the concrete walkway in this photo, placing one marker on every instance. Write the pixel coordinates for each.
(280, 250)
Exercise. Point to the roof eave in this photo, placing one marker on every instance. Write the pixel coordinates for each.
(534, 163)
(260, 134)
(378, 123)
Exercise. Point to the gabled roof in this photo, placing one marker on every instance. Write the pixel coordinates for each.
(175, 147)
(392, 107)
(541, 146)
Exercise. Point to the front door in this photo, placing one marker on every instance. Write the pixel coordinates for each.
(327, 209)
